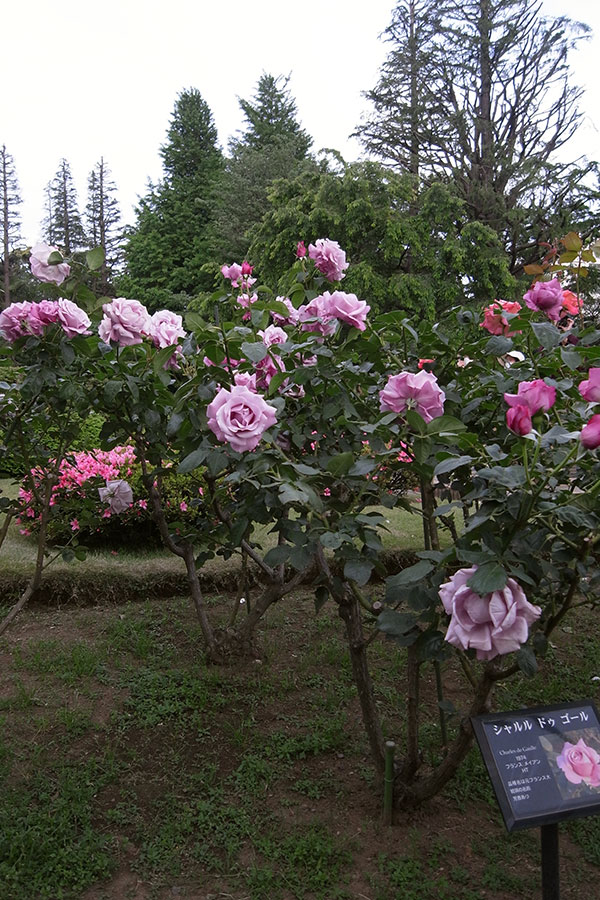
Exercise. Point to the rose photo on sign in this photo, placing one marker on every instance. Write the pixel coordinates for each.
(575, 758)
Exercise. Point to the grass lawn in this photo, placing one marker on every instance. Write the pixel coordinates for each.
(131, 770)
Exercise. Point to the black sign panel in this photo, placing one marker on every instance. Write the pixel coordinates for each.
(544, 762)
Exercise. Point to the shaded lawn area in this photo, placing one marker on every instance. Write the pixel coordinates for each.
(131, 770)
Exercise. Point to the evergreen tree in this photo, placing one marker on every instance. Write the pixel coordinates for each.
(62, 223)
(102, 216)
(273, 146)
(9, 216)
(499, 97)
(173, 233)
(272, 114)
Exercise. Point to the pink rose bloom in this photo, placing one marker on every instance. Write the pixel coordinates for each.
(117, 494)
(547, 297)
(72, 318)
(301, 250)
(245, 301)
(18, 320)
(232, 273)
(318, 310)
(590, 389)
(590, 433)
(494, 624)
(40, 268)
(580, 763)
(329, 258)
(535, 395)
(348, 308)
(572, 303)
(273, 335)
(47, 311)
(518, 419)
(239, 417)
(166, 328)
(420, 392)
(247, 269)
(291, 319)
(494, 321)
(266, 369)
(125, 322)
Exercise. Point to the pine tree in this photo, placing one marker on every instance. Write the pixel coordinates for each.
(102, 217)
(9, 216)
(62, 223)
(499, 99)
(173, 234)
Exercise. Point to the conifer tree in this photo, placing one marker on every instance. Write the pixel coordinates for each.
(102, 217)
(10, 224)
(273, 145)
(172, 237)
(62, 223)
(494, 107)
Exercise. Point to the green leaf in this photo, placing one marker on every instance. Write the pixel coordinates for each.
(445, 423)
(362, 466)
(111, 390)
(340, 464)
(527, 662)
(358, 570)
(498, 345)
(415, 421)
(396, 623)
(175, 423)
(331, 540)
(572, 242)
(161, 358)
(508, 476)
(216, 461)
(278, 555)
(55, 258)
(571, 358)
(94, 258)
(548, 335)
(488, 578)
(194, 321)
(191, 461)
(289, 493)
(452, 463)
(254, 352)
(395, 583)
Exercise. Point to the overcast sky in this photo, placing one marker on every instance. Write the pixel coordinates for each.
(84, 80)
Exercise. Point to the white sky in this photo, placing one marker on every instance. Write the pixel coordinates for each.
(89, 79)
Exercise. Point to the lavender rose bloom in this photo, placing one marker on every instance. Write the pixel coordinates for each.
(494, 624)
(329, 258)
(580, 763)
(166, 328)
(590, 389)
(47, 311)
(273, 334)
(239, 417)
(117, 494)
(318, 309)
(547, 297)
(125, 322)
(40, 268)
(72, 318)
(590, 433)
(409, 391)
(348, 308)
(536, 395)
(15, 321)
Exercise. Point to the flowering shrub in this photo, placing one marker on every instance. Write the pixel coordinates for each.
(290, 412)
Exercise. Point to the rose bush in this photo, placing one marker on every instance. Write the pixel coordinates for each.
(292, 408)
